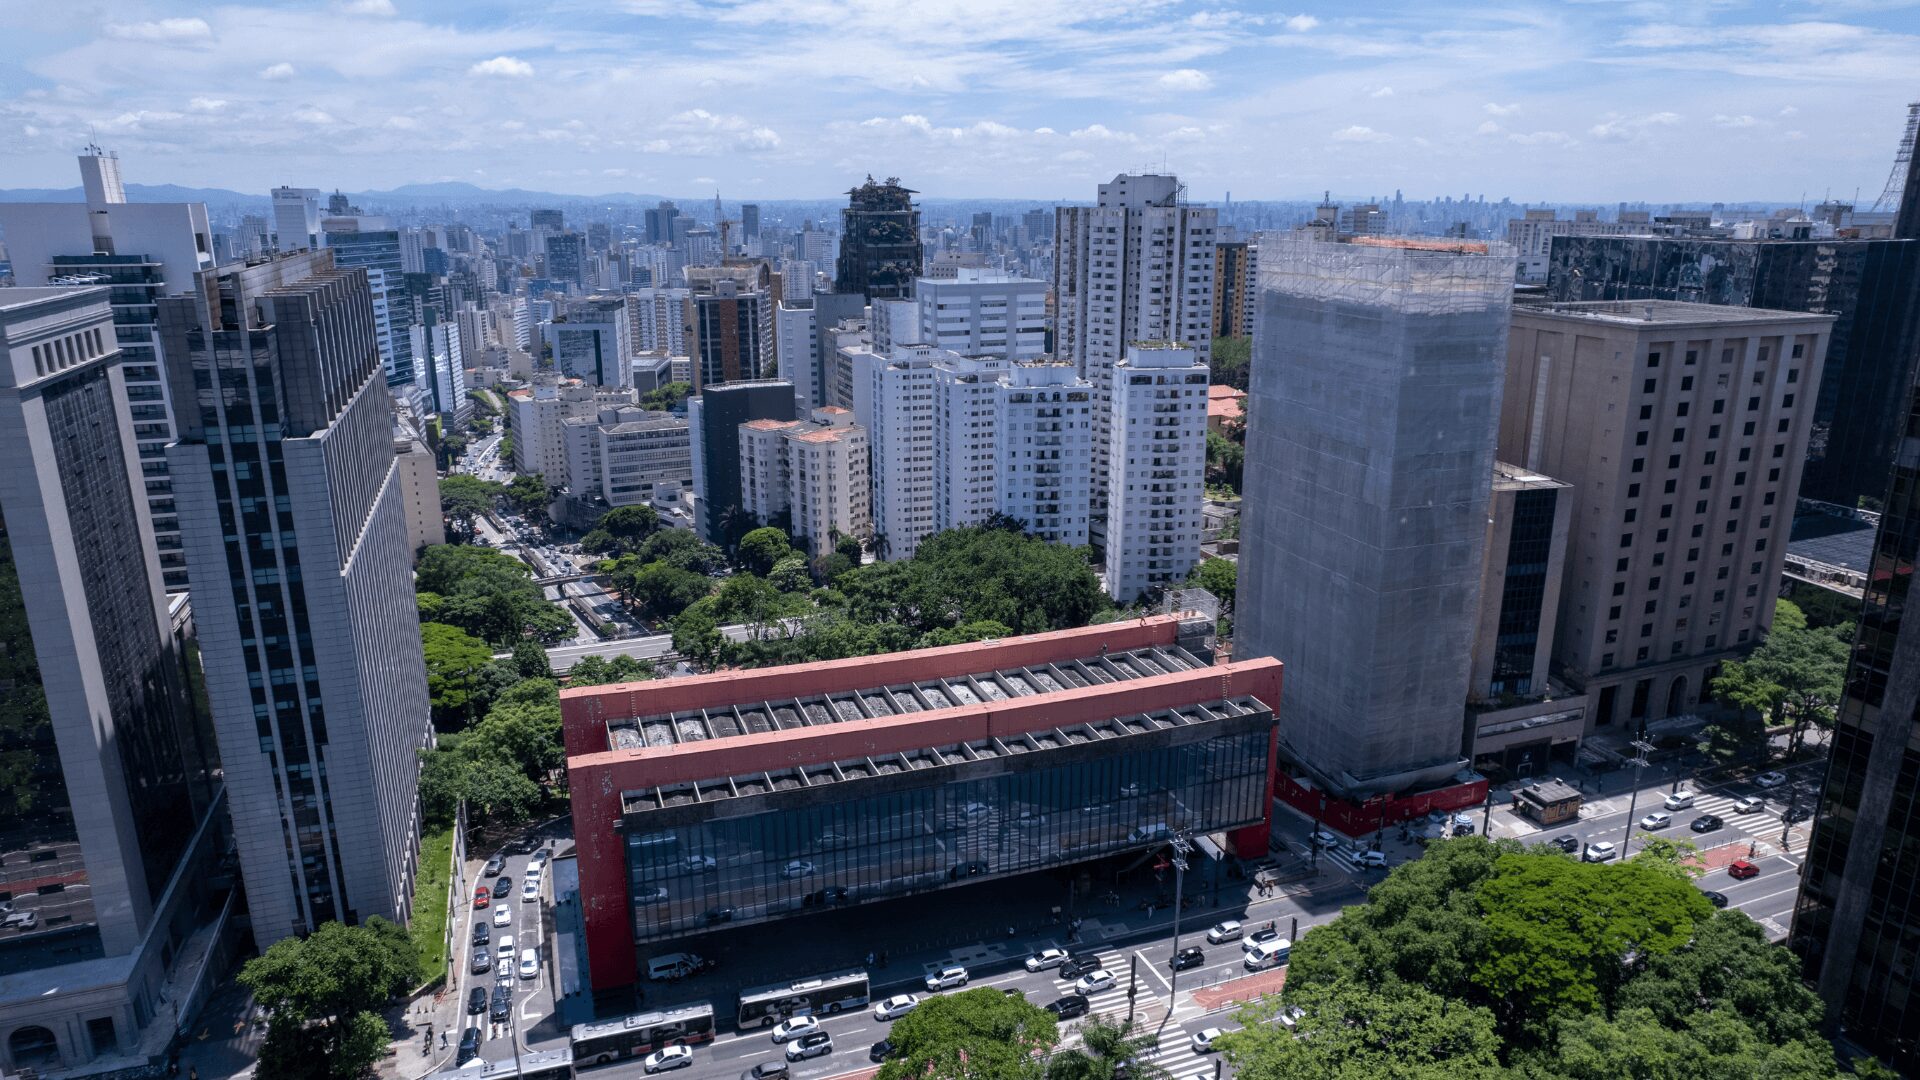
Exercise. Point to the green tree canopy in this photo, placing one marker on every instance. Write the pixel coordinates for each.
(487, 593)
(1226, 461)
(621, 530)
(601, 670)
(464, 498)
(761, 548)
(529, 494)
(1108, 1049)
(681, 549)
(456, 661)
(979, 1034)
(1351, 1032)
(1232, 361)
(1796, 676)
(666, 397)
(323, 993)
(658, 589)
(1219, 577)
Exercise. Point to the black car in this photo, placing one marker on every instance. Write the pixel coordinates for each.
(1075, 966)
(469, 1046)
(1191, 956)
(502, 1006)
(1568, 843)
(482, 935)
(879, 1051)
(1706, 823)
(1716, 899)
(502, 887)
(718, 915)
(494, 866)
(477, 1000)
(1068, 1007)
(766, 1070)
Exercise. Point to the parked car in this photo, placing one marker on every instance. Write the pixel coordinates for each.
(1770, 779)
(1189, 957)
(1076, 966)
(1706, 823)
(1679, 800)
(1568, 843)
(1747, 804)
(1203, 1039)
(1657, 820)
(815, 1045)
(793, 1027)
(665, 1059)
(1717, 899)
(1741, 869)
(1224, 932)
(1068, 1007)
(1600, 851)
(1094, 982)
(895, 1007)
(947, 977)
(1047, 958)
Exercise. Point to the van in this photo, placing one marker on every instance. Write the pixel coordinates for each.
(1268, 954)
(675, 965)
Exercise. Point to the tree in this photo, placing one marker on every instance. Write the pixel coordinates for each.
(1219, 577)
(1108, 1049)
(790, 574)
(323, 993)
(979, 1034)
(851, 547)
(760, 549)
(455, 659)
(1226, 461)
(1232, 361)
(528, 493)
(1349, 1031)
(666, 397)
(1741, 736)
(961, 635)
(621, 530)
(443, 785)
(1810, 669)
(1677, 857)
(464, 498)
(530, 660)
(1634, 1043)
(659, 589)
(681, 549)
(600, 670)
(487, 593)
(1729, 966)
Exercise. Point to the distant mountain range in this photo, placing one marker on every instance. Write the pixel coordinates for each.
(448, 192)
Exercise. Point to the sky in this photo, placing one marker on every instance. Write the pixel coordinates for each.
(1578, 100)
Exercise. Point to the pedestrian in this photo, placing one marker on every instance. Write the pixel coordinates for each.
(443, 1040)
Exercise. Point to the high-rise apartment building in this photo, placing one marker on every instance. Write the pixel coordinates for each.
(296, 218)
(1157, 462)
(1867, 285)
(900, 449)
(714, 416)
(1044, 460)
(812, 471)
(984, 313)
(567, 258)
(593, 342)
(659, 317)
(143, 251)
(113, 822)
(732, 333)
(1370, 434)
(1232, 285)
(880, 253)
(286, 478)
(1135, 266)
(1682, 428)
(965, 439)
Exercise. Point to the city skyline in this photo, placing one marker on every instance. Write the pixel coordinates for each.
(1570, 103)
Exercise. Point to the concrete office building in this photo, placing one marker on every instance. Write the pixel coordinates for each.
(797, 346)
(566, 260)
(1866, 285)
(900, 434)
(714, 417)
(984, 313)
(1683, 428)
(903, 774)
(296, 219)
(880, 255)
(1136, 266)
(1370, 435)
(627, 456)
(1531, 236)
(369, 243)
(419, 478)
(143, 251)
(732, 333)
(114, 820)
(1157, 463)
(536, 413)
(312, 657)
(439, 347)
(593, 342)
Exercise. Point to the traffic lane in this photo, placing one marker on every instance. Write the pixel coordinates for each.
(528, 928)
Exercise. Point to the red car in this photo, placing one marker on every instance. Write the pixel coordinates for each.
(482, 896)
(1742, 869)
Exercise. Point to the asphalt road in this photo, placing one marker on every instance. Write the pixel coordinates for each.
(533, 1001)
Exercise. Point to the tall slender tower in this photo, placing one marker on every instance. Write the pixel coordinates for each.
(295, 519)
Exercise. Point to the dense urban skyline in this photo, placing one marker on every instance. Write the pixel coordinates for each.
(1573, 102)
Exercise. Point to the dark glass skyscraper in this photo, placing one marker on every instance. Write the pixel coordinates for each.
(879, 242)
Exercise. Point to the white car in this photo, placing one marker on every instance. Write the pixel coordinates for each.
(1203, 1039)
(1679, 800)
(1321, 838)
(1225, 931)
(1747, 804)
(947, 977)
(1599, 851)
(530, 891)
(1657, 820)
(1046, 958)
(800, 868)
(1770, 779)
(895, 1007)
(700, 864)
(673, 1057)
(1371, 860)
(503, 948)
(793, 1027)
(503, 916)
(529, 964)
(1093, 982)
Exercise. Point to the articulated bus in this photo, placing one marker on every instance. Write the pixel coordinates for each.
(642, 1033)
(764, 1006)
(535, 1065)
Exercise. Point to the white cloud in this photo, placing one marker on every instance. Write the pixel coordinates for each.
(1360, 133)
(1102, 133)
(1487, 127)
(1300, 24)
(1541, 138)
(1383, 92)
(1741, 121)
(1186, 79)
(207, 104)
(1617, 128)
(161, 30)
(402, 123)
(1494, 108)
(316, 117)
(511, 67)
(276, 72)
(1788, 110)
(1664, 118)
(368, 7)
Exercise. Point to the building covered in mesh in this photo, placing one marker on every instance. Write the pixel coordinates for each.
(879, 241)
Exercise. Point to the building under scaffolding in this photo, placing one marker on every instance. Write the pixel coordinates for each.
(879, 242)
(1370, 450)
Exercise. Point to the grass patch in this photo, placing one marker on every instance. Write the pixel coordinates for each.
(429, 928)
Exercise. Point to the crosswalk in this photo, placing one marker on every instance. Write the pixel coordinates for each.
(1174, 1053)
(1721, 806)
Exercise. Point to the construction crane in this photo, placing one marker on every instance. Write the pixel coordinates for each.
(1889, 200)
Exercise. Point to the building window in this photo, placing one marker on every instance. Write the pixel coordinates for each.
(1620, 566)
(1653, 359)
(1650, 386)
(1640, 438)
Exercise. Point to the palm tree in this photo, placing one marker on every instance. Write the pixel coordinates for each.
(1105, 1047)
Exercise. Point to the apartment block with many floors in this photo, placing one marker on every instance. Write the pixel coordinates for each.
(1157, 461)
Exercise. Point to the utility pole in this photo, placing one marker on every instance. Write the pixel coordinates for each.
(1643, 748)
(1133, 984)
(1181, 849)
(1786, 819)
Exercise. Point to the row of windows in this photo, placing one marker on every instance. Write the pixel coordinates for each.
(64, 352)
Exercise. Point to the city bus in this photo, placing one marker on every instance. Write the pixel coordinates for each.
(764, 1006)
(641, 1033)
(534, 1065)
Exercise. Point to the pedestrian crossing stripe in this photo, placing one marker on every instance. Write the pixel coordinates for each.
(1722, 806)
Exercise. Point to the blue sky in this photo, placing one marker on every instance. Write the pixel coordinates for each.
(1591, 100)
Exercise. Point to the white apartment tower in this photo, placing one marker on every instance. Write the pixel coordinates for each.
(966, 436)
(828, 488)
(796, 345)
(984, 313)
(1136, 266)
(1157, 463)
(1044, 459)
(900, 446)
(659, 318)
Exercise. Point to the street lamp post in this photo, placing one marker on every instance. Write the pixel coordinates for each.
(1181, 849)
(1643, 747)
